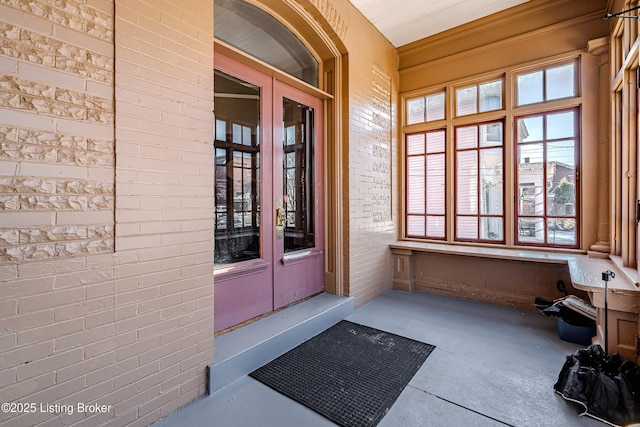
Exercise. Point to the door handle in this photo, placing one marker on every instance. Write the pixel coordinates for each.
(280, 217)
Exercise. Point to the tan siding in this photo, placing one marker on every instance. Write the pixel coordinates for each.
(132, 329)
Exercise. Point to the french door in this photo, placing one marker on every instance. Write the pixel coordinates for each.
(268, 193)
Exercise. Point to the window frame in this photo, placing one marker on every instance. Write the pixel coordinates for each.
(426, 214)
(479, 215)
(516, 174)
(509, 111)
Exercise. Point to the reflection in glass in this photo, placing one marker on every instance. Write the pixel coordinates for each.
(298, 176)
(252, 30)
(237, 167)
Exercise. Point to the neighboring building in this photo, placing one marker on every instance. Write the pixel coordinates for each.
(164, 177)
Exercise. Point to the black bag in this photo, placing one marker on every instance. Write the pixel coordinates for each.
(604, 387)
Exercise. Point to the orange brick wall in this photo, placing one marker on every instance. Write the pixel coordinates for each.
(80, 323)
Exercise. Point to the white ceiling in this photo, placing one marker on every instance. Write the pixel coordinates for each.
(405, 21)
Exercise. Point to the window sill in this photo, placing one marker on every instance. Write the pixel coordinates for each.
(514, 254)
(585, 271)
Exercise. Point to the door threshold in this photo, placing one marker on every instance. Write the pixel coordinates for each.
(262, 316)
(241, 350)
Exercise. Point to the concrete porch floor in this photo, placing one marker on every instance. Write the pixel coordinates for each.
(492, 366)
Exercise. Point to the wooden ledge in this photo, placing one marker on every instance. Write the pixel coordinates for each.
(513, 254)
(586, 272)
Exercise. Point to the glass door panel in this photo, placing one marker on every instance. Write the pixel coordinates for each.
(237, 170)
(298, 190)
(298, 176)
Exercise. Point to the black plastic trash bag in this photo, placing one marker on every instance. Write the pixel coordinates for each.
(603, 387)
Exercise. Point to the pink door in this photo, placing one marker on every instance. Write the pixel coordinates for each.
(298, 243)
(268, 193)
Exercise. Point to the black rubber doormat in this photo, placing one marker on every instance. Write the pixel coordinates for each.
(350, 373)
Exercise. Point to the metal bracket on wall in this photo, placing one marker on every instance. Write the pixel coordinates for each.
(620, 14)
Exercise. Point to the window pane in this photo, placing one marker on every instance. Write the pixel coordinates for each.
(415, 226)
(491, 96)
(561, 196)
(221, 130)
(253, 30)
(492, 229)
(246, 136)
(562, 153)
(467, 227)
(435, 184)
(491, 135)
(415, 111)
(530, 129)
(298, 173)
(435, 142)
(530, 157)
(466, 137)
(467, 182)
(561, 231)
(547, 205)
(560, 125)
(467, 101)
(415, 144)
(531, 183)
(529, 88)
(531, 230)
(415, 185)
(435, 226)
(491, 181)
(561, 82)
(435, 107)
(237, 210)
(237, 134)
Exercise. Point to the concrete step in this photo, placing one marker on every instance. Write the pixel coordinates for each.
(241, 351)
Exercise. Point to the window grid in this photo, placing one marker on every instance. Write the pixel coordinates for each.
(508, 112)
(546, 170)
(425, 189)
(479, 183)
